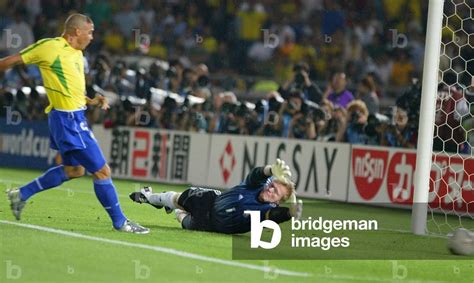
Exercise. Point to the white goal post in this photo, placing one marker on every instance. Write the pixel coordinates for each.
(427, 116)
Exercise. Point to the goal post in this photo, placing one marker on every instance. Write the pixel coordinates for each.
(427, 116)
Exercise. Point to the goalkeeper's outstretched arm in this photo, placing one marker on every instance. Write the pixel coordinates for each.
(279, 170)
(257, 176)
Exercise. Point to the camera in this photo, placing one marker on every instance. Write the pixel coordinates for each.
(171, 73)
(299, 79)
(203, 81)
(228, 107)
(313, 111)
(410, 100)
(374, 121)
(298, 69)
(272, 118)
(355, 116)
(275, 103)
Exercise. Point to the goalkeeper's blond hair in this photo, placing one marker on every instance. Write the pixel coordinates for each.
(291, 189)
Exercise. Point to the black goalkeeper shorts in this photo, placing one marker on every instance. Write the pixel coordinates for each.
(198, 202)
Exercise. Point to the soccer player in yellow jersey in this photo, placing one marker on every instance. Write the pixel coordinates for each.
(60, 61)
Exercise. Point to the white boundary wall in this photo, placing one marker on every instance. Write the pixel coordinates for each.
(333, 171)
(155, 155)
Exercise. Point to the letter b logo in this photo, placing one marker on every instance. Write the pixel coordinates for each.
(256, 229)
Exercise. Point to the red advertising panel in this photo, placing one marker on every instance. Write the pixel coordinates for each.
(386, 176)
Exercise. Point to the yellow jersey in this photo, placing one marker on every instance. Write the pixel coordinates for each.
(62, 69)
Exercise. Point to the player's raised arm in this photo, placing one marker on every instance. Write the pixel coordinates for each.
(257, 176)
(10, 61)
(279, 170)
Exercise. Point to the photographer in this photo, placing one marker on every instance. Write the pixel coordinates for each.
(366, 91)
(303, 83)
(304, 123)
(121, 80)
(352, 128)
(230, 122)
(203, 84)
(270, 115)
(231, 116)
(402, 130)
(173, 75)
(289, 109)
(327, 126)
(193, 114)
(167, 116)
(399, 133)
(188, 82)
(376, 127)
(101, 71)
(136, 111)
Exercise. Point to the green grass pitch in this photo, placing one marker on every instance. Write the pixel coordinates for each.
(84, 248)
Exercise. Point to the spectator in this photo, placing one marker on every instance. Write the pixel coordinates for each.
(399, 134)
(270, 115)
(217, 33)
(127, 20)
(326, 128)
(364, 31)
(250, 19)
(353, 127)
(366, 92)
(99, 11)
(402, 70)
(17, 35)
(301, 82)
(305, 123)
(338, 93)
(290, 110)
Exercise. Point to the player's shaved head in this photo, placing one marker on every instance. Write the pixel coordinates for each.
(78, 31)
(75, 21)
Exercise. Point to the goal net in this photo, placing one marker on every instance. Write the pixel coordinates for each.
(449, 204)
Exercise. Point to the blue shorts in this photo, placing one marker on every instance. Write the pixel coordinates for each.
(71, 136)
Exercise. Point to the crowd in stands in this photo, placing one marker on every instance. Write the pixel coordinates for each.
(322, 67)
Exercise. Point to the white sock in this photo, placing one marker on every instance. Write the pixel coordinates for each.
(164, 199)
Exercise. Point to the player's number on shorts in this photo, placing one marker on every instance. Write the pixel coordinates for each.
(86, 129)
(84, 126)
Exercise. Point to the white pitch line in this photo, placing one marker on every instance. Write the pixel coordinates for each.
(372, 279)
(161, 249)
(67, 189)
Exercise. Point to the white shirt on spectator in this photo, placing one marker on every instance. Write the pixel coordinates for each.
(259, 52)
(365, 34)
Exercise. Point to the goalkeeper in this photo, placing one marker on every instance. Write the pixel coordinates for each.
(264, 189)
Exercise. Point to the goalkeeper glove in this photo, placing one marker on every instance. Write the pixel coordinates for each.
(296, 207)
(281, 171)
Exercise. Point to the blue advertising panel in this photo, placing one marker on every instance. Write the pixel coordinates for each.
(25, 144)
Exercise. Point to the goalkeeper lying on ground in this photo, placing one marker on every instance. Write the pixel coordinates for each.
(264, 189)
